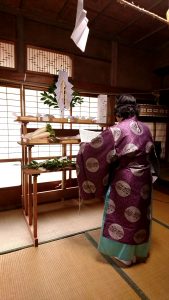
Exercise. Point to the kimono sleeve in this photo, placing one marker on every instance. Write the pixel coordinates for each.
(94, 165)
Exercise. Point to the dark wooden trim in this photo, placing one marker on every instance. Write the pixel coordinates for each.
(20, 53)
(10, 197)
(167, 144)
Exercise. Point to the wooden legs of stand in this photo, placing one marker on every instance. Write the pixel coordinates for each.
(30, 205)
(35, 212)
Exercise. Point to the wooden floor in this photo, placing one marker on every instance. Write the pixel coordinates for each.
(72, 268)
(164, 171)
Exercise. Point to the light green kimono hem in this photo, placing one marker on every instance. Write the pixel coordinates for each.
(120, 250)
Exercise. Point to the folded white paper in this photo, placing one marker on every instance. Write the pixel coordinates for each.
(87, 135)
(81, 43)
(81, 30)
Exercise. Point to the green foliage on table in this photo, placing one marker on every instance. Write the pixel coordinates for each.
(51, 164)
(49, 97)
(50, 130)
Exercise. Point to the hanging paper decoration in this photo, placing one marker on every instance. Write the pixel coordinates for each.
(63, 91)
(167, 15)
(81, 30)
(102, 109)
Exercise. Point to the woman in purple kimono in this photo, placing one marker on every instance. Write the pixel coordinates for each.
(117, 166)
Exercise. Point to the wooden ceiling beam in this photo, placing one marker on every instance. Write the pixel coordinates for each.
(143, 11)
(148, 35)
(91, 23)
(5, 9)
(137, 18)
(36, 17)
(62, 8)
(164, 45)
(21, 4)
(65, 25)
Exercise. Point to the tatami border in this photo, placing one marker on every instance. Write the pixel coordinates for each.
(122, 273)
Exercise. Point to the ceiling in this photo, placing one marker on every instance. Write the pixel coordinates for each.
(108, 19)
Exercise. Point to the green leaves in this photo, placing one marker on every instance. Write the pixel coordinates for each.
(76, 99)
(51, 164)
(49, 98)
(33, 165)
(50, 130)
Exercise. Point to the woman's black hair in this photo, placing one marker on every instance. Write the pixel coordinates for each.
(126, 107)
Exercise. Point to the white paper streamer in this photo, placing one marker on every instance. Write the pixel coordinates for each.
(102, 109)
(63, 91)
(81, 30)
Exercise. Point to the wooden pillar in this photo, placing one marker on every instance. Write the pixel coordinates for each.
(167, 143)
(110, 116)
(114, 64)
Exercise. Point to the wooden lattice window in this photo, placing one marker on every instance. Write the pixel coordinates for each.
(9, 130)
(47, 61)
(7, 54)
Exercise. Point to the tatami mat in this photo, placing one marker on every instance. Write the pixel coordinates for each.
(152, 277)
(72, 268)
(60, 219)
(66, 219)
(13, 230)
(161, 207)
(55, 220)
(67, 269)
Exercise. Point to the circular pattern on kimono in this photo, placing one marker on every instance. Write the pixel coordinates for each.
(111, 207)
(116, 132)
(136, 170)
(77, 169)
(92, 164)
(105, 180)
(149, 147)
(88, 187)
(136, 128)
(97, 142)
(110, 155)
(132, 214)
(145, 191)
(116, 231)
(123, 189)
(129, 149)
(140, 236)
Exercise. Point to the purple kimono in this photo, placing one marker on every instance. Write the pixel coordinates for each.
(118, 160)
